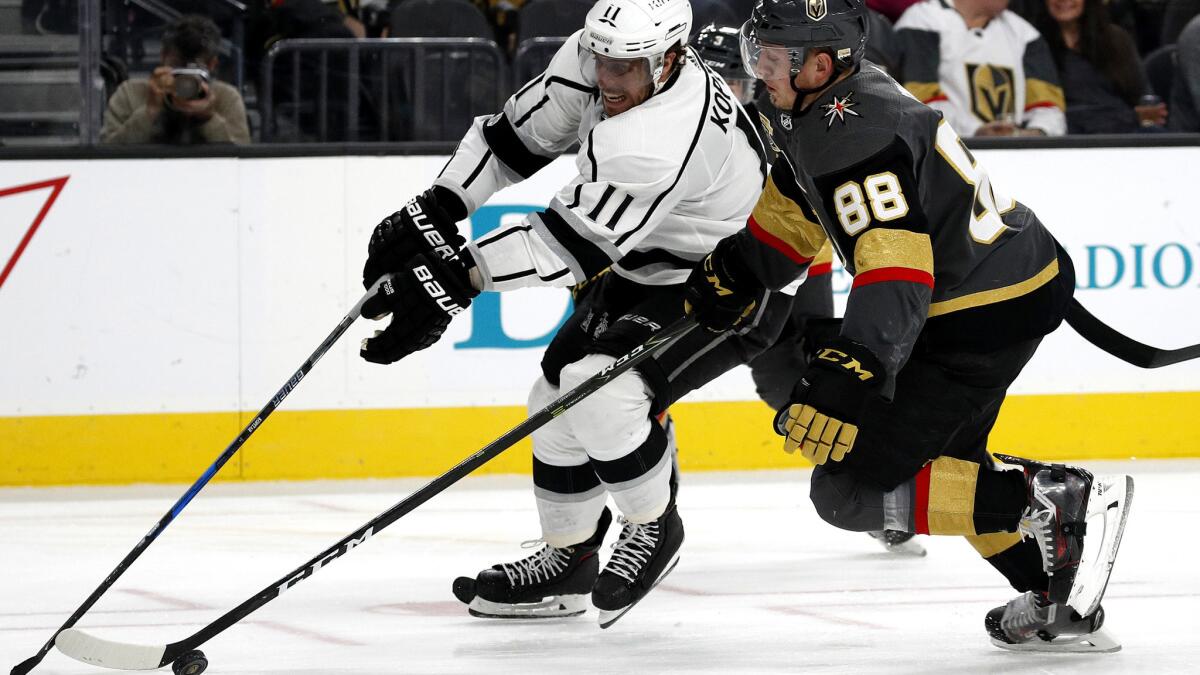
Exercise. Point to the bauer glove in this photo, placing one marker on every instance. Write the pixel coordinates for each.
(427, 224)
(828, 402)
(422, 296)
(721, 292)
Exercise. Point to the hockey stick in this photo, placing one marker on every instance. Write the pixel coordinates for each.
(84, 647)
(1122, 346)
(29, 664)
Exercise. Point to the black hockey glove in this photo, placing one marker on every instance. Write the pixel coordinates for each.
(828, 401)
(721, 292)
(422, 297)
(428, 224)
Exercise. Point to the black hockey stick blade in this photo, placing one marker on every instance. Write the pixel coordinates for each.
(29, 664)
(84, 647)
(1122, 346)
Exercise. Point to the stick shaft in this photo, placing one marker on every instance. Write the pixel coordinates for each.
(204, 479)
(565, 402)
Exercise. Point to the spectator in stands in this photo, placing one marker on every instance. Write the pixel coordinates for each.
(892, 9)
(985, 68)
(181, 103)
(1099, 67)
(1185, 94)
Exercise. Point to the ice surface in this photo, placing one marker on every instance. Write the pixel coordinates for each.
(762, 585)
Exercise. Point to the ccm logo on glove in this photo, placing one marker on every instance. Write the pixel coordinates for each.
(435, 291)
(845, 361)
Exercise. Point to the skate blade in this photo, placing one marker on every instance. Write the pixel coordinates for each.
(1107, 511)
(909, 549)
(609, 616)
(1100, 642)
(555, 607)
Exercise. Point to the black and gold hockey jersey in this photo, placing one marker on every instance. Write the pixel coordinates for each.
(938, 253)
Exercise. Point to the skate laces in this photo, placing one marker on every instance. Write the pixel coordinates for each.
(543, 565)
(1039, 525)
(1024, 616)
(633, 549)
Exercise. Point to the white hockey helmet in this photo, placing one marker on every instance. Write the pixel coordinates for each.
(631, 29)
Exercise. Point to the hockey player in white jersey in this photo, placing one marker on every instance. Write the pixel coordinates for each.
(668, 164)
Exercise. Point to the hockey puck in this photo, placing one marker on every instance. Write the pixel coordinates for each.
(191, 663)
(464, 589)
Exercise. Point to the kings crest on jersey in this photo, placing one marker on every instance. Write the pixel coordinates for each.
(937, 251)
(657, 186)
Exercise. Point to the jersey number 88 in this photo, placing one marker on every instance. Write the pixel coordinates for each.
(882, 194)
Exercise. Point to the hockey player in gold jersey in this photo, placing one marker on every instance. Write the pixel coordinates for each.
(955, 284)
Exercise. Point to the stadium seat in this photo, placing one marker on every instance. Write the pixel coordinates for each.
(1160, 70)
(551, 18)
(457, 84)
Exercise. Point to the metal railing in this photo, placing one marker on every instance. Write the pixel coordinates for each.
(532, 57)
(409, 89)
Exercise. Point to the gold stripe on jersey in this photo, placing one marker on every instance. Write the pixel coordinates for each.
(925, 91)
(783, 219)
(996, 294)
(994, 543)
(825, 255)
(880, 247)
(951, 507)
(1040, 93)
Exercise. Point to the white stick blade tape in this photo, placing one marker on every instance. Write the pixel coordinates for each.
(108, 654)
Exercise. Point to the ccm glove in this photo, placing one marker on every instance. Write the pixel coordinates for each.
(721, 292)
(828, 401)
(422, 296)
(428, 224)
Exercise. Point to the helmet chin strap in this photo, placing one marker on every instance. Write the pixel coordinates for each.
(834, 72)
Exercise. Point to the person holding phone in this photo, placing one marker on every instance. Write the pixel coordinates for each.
(182, 102)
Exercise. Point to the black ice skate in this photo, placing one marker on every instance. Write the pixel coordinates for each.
(552, 583)
(899, 542)
(1077, 521)
(642, 557)
(1032, 623)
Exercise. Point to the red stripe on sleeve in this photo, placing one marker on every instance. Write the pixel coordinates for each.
(775, 242)
(1041, 104)
(893, 274)
(921, 501)
(819, 269)
(935, 99)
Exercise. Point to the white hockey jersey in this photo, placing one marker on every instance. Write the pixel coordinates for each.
(658, 185)
(977, 75)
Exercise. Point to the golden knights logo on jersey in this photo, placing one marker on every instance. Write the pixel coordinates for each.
(817, 9)
(993, 91)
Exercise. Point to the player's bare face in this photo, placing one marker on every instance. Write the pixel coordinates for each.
(623, 83)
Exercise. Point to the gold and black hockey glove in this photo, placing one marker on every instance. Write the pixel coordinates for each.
(427, 224)
(828, 402)
(721, 292)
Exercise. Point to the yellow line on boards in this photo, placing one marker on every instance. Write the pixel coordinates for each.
(325, 444)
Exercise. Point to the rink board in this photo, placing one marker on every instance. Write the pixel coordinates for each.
(149, 307)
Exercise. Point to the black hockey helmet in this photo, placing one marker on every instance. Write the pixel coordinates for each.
(719, 48)
(786, 29)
